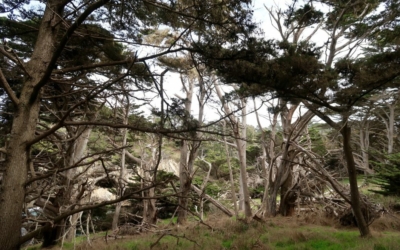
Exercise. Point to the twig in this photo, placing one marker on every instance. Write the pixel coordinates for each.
(159, 238)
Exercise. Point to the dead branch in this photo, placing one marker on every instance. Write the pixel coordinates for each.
(175, 236)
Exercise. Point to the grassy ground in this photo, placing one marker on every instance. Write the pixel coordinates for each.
(308, 231)
(227, 233)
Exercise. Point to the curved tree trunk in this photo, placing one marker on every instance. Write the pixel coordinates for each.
(356, 203)
(288, 196)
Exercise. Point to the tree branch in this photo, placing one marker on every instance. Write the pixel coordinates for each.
(67, 35)
(8, 89)
(89, 207)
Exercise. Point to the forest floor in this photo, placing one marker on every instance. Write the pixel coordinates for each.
(299, 232)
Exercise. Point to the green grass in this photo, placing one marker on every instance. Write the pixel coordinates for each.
(338, 241)
(70, 245)
(170, 221)
(280, 233)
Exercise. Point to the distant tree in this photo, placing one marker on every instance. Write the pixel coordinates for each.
(239, 132)
(387, 176)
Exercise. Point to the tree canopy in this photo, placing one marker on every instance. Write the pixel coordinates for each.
(76, 75)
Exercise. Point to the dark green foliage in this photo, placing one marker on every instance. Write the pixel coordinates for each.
(252, 152)
(215, 154)
(388, 176)
(317, 141)
(212, 188)
(304, 16)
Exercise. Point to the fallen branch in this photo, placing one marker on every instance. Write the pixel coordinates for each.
(213, 201)
(175, 236)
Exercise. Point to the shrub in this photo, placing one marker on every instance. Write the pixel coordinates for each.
(388, 176)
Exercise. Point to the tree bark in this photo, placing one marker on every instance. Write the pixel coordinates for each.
(188, 156)
(149, 205)
(288, 197)
(147, 167)
(23, 131)
(16, 172)
(185, 182)
(228, 161)
(390, 132)
(278, 180)
(149, 208)
(117, 212)
(121, 182)
(356, 203)
(263, 211)
(75, 153)
(241, 143)
(240, 140)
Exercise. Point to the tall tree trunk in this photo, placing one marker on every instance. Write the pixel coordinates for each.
(364, 145)
(185, 182)
(390, 132)
(188, 157)
(75, 153)
(185, 169)
(23, 130)
(228, 161)
(240, 140)
(356, 203)
(64, 198)
(264, 210)
(241, 147)
(149, 205)
(389, 119)
(121, 182)
(12, 193)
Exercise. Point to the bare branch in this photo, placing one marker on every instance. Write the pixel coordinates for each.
(59, 218)
(8, 89)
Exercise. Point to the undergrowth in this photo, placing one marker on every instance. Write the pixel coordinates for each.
(227, 233)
